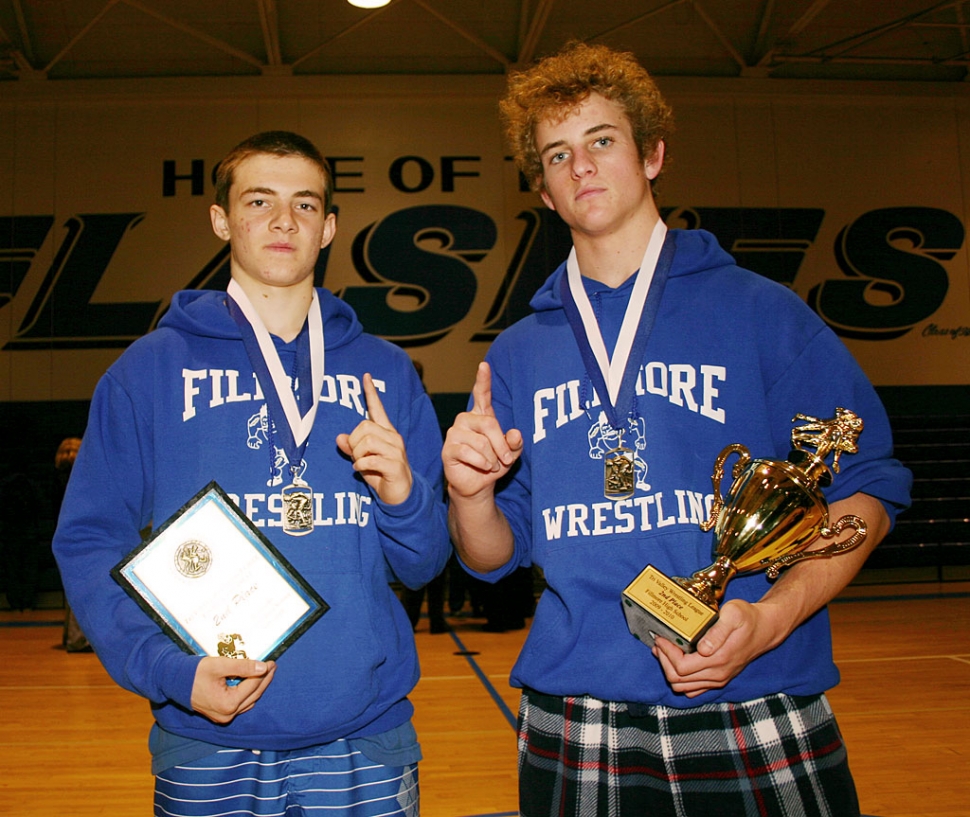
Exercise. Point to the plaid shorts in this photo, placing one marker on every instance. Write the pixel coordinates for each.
(779, 755)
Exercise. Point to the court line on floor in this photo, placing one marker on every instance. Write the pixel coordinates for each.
(489, 687)
(31, 623)
(497, 814)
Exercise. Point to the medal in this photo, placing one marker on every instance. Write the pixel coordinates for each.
(297, 507)
(284, 413)
(619, 472)
(614, 378)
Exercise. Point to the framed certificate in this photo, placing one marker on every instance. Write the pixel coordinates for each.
(216, 585)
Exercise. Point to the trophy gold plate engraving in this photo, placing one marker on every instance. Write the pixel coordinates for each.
(773, 511)
(216, 585)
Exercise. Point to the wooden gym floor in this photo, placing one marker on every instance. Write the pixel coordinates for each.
(72, 743)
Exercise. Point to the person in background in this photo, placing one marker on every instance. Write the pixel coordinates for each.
(234, 387)
(653, 342)
(508, 602)
(64, 459)
(72, 637)
(434, 590)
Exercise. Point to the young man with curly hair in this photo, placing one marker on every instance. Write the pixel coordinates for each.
(653, 342)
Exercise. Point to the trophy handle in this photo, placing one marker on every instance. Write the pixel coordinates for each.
(849, 521)
(744, 457)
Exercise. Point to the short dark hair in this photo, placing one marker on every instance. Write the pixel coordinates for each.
(558, 84)
(275, 143)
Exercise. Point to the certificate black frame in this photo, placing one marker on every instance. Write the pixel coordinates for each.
(159, 612)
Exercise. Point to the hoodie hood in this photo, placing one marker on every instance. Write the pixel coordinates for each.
(204, 313)
(697, 251)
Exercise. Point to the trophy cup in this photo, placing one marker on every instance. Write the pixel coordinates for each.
(773, 511)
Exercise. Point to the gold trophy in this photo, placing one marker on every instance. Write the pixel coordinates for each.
(773, 511)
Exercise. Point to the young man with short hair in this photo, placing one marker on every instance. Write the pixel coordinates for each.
(269, 386)
(653, 342)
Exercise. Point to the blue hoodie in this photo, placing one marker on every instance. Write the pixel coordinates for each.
(182, 407)
(732, 358)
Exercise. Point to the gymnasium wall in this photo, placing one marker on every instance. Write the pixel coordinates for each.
(854, 195)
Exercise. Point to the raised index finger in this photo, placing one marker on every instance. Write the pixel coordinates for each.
(375, 408)
(482, 391)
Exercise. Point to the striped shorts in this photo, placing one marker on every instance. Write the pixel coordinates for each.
(332, 779)
(779, 755)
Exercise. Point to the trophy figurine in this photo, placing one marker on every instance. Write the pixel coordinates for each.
(773, 511)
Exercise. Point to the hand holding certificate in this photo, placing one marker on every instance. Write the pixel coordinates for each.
(216, 585)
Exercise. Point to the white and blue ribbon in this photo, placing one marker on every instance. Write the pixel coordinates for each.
(614, 378)
(292, 426)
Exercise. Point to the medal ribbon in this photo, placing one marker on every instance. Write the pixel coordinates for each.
(295, 432)
(614, 379)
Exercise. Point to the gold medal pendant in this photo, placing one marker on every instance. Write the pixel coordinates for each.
(619, 473)
(297, 508)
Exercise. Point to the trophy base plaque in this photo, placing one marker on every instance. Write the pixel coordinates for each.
(656, 605)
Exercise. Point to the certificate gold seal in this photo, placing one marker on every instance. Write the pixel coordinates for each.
(193, 558)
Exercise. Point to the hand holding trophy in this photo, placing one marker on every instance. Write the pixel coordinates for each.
(773, 511)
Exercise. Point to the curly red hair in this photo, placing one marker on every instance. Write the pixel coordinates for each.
(558, 84)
